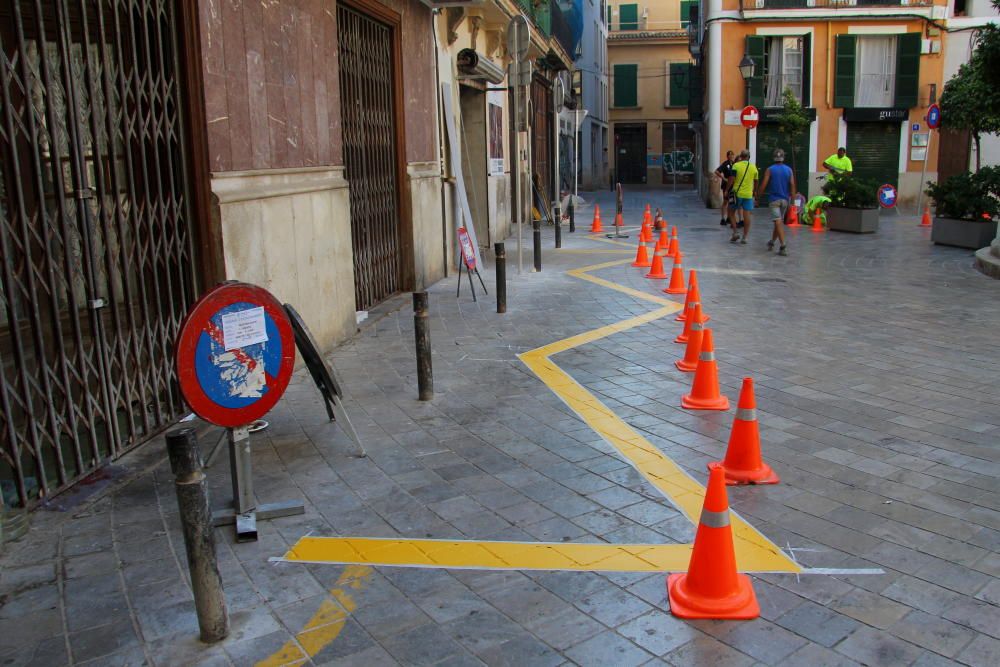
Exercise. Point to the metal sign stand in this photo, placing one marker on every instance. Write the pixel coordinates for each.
(472, 287)
(245, 510)
(619, 206)
(325, 377)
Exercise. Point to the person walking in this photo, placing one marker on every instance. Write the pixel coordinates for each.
(778, 185)
(724, 171)
(743, 183)
(839, 164)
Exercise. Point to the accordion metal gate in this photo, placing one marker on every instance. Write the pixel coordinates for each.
(95, 234)
(367, 93)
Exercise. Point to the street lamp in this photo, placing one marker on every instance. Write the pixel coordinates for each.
(746, 71)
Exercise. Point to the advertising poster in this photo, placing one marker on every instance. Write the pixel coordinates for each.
(494, 116)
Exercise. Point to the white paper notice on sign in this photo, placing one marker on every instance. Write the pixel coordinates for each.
(243, 328)
(732, 117)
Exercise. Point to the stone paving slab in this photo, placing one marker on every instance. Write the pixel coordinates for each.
(877, 386)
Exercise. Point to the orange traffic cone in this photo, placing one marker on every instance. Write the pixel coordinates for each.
(663, 243)
(925, 221)
(618, 220)
(677, 277)
(817, 223)
(674, 243)
(656, 271)
(595, 227)
(712, 588)
(693, 296)
(690, 361)
(647, 227)
(793, 216)
(689, 322)
(641, 258)
(743, 463)
(705, 389)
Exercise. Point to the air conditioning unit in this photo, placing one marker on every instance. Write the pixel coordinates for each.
(437, 4)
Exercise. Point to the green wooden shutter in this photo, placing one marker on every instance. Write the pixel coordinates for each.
(628, 17)
(680, 84)
(609, 16)
(806, 70)
(625, 85)
(686, 6)
(843, 82)
(755, 49)
(907, 69)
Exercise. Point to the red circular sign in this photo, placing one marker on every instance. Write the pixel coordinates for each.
(934, 116)
(749, 117)
(235, 354)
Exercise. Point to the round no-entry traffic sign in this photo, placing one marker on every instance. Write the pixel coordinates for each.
(887, 196)
(934, 117)
(749, 117)
(235, 354)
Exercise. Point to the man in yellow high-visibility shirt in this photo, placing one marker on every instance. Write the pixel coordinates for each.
(743, 182)
(838, 164)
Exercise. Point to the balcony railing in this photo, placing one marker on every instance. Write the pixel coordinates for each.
(829, 4)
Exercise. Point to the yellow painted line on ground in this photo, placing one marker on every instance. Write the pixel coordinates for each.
(326, 624)
(754, 552)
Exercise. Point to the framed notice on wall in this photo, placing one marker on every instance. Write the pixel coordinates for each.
(494, 116)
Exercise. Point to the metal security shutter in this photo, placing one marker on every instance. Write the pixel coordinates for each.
(769, 139)
(874, 150)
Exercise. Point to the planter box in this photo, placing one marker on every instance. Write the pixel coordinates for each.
(963, 233)
(857, 220)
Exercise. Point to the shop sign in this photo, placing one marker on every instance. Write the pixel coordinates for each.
(876, 115)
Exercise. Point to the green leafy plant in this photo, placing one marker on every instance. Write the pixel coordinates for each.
(971, 99)
(846, 191)
(793, 122)
(974, 197)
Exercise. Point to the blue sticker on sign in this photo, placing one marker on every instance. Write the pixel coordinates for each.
(238, 377)
(916, 127)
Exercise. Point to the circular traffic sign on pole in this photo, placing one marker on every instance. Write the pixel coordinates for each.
(518, 37)
(934, 117)
(749, 117)
(887, 196)
(235, 354)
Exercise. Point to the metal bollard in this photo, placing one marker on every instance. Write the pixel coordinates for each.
(557, 215)
(572, 216)
(536, 233)
(422, 334)
(199, 538)
(501, 266)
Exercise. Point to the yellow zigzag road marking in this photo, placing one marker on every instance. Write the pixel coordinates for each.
(754, 552)
(326, 624)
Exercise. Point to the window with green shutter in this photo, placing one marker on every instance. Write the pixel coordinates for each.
(686, 6)
(755, 49)
(680, 84)
(907, 69)
(625, 90)
(628, 17)
(843, 81)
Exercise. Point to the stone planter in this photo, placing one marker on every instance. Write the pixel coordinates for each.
(856, 220)
(971, 234)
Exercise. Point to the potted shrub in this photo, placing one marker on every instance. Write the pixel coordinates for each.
(966, 208)
(853, 204)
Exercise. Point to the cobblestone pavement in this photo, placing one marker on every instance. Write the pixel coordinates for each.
(878, 388)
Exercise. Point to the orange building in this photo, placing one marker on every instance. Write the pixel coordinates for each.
(865, 70)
